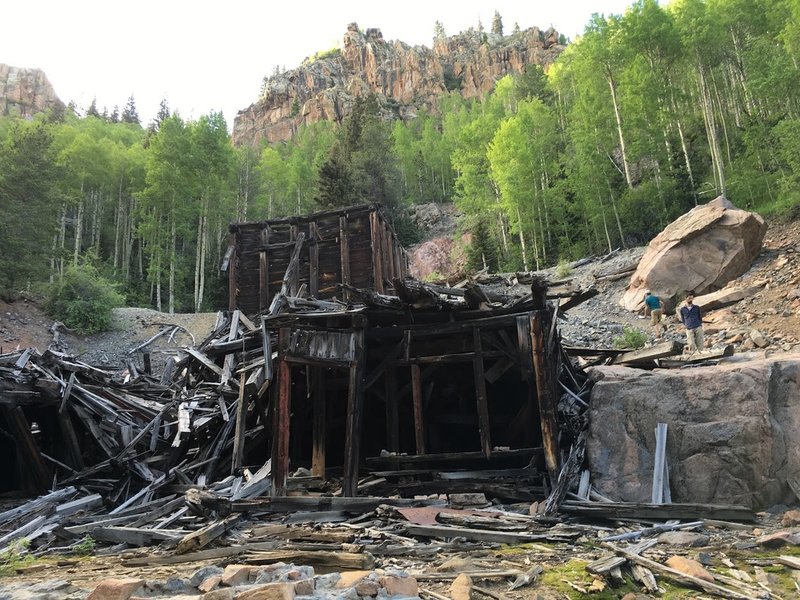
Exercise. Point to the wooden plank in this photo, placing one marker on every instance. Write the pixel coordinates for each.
(320, 424)
(521, 453)
(204, 360)
(239, 435)
(478, 535)
(353, 418)
(419, 419)
(233, 271)
(344, 253)
(544, 365)
(201, 538)
(657, 495)
(313, 259)
(319, 559)
(376, 241)
(662, 350)
(484, 424)
(658, 512)
(280, 457)
(67, 393)
(70, 438)
(263, 271)
(133, 535)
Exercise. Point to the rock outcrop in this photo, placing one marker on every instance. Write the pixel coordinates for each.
(25, 92)
(732, 431)
(702, 251)
(404, 78)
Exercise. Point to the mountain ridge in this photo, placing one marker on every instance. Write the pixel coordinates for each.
(404, 78)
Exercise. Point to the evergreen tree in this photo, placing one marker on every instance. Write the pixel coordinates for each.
(129, 113)
(438, 31)
(482, 251)
(92, 110)
(114, 116)
(335, 183)
(497, 24)
(516, 28)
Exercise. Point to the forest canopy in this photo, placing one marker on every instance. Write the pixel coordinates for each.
(642, 117)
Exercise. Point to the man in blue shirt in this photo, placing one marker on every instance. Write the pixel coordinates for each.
(692, 320)
(652, 304)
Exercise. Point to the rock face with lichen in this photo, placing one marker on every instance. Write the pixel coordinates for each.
(403, 78)
(25, 92)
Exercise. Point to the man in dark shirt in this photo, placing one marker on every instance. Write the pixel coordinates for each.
(692, 320)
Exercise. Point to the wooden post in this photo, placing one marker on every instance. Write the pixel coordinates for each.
(544, 363)
(239, 435)
(263, 272)
(355, 401)
(392, 410)
(344, 245)
(280, 458)
(319, 424)
(375, 230)
(233, 272)
(313, 259)
(416, 393)
(480, 392)
(70, 439)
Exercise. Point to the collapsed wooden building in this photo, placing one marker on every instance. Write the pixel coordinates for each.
(419, 383)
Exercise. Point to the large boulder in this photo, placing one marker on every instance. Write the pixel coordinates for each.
(732, 431)
(702, 251)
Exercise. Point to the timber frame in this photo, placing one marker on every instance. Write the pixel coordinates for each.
(354, 246)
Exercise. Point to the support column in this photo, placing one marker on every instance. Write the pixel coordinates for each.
(544, 365)
(480, 392)
(355, 401)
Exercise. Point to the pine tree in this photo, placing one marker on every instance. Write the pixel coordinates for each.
(92, 110)
(438, 31)
(482, 252)
(497, 24)
(129, 113)
(516, 27)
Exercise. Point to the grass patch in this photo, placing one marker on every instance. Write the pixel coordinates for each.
(631, 338)
(15, 557)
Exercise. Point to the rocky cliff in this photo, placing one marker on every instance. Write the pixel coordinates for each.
(404, 78)
(25, 92)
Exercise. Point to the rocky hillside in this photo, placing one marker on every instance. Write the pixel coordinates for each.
(25, 92)
(404, 78)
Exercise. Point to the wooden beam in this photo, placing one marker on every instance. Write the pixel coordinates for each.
(320, 424)
(416, 395)
(313, 260)
(376, 239)
(263, 272)
(233, 273)
(241, 426)
(663, 350)
(280, 457)
(32, 466)
(355, 401)
(544, 367)
(484, 423)
(344, 254)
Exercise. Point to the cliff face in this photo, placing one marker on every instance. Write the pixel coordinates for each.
(25, 92)
(404, 78)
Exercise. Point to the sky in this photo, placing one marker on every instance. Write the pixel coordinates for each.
(206, 56)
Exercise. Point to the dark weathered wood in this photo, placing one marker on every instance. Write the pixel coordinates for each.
(263, 272)
(484, 424)
(353, 417)
(454, 456)
(313, 259)
(33, 468)
(482, 535)
(344, 252)
(567, 475)
(376, 232)
(233, 274)
(280, 457)
(319, 559)
(320, 424)
(577, 299)
(544, 365)
(239, 435)
(133, 535)
(392, 410)
(71, 440)
(419, 417)
(658, 512)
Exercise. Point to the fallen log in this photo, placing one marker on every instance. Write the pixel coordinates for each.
(671, 348)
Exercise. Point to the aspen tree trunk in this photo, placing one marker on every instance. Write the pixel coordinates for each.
(197, 252)
(613, 86)
(172, 260)
(78, 230)
(522, 245)
(203, 252)
(721, 117)
(503, 232)
(119, 223)
(711, 131)
(62, 240)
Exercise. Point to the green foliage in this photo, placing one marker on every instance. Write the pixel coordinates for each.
(325, 54)
(482, 251)
(85, 547)
(15, 556)
(83, 300)
(563, 269)
(631, 338)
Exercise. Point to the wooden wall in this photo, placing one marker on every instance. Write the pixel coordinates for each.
(354, 246)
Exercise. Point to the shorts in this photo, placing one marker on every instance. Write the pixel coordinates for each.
(655, 316)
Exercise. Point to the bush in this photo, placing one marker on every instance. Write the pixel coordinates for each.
(563, 269)
(83, 300)
(631, 338)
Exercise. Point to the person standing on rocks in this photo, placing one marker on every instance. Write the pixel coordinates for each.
(692, 320)
(652, 304)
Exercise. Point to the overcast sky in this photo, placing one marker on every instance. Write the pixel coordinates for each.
(203, 56)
